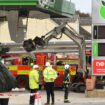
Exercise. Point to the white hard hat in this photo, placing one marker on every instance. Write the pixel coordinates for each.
(35, 66)
(47, 64)
(66, 66)
(31, 64)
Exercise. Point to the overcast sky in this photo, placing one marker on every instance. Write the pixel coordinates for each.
(83, 5)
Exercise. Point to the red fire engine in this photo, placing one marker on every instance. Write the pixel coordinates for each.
(20, 66)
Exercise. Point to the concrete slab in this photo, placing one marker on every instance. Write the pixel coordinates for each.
(95, 93)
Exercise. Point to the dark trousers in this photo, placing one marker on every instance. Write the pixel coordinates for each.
(40, 87)
(32, 97)
(66, 91)
(4, 101)
(50, 91)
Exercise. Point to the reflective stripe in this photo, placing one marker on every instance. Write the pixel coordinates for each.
(23, 72)
(12, 67)
(73, 70)
(61, 68)
(67, 82)
(89, 68)
(49, 73)
(14, 72)
(23, 67)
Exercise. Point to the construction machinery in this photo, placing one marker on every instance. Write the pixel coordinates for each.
(62, 8)
(15, 10)
(7, 80)
(20, 66)
(39, 43)
(55, 9)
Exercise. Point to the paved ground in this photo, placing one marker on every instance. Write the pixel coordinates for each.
(75, 98)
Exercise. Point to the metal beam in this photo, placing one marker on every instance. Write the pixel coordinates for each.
(45, 51)
(51, 43)
(53, 47)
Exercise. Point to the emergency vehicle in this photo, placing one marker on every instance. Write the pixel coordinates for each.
(20, 66)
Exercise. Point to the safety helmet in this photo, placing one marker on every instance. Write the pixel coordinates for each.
(47, 64)
(66, 66)
(35, 66)
(32, 64)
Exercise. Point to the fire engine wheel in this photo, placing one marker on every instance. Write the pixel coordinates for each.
(23, 82)
(81, 88)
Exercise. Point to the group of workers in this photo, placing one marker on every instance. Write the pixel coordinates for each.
(50, 76)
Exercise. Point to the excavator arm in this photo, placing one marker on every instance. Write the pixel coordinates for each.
(72, 34)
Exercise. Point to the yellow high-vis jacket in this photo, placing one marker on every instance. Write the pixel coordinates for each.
(49, 74)
(34, 79)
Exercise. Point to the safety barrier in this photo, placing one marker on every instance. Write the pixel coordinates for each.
(5, 95)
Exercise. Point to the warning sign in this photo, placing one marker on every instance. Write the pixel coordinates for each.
(99, 67)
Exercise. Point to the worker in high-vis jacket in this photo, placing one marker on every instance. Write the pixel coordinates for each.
(33, 83)
(66, 83)
(49, 77)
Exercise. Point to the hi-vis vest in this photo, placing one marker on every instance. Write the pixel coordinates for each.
(34, 79)
(49, 73)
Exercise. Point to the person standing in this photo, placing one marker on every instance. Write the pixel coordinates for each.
(40, 78)
(49, 77)
(33, 83)
(66, 83)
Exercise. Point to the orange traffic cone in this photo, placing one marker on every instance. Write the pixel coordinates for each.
(37, 99)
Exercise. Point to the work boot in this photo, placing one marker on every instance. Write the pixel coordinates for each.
(52, 104)
(66, 101)
(46, 104)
